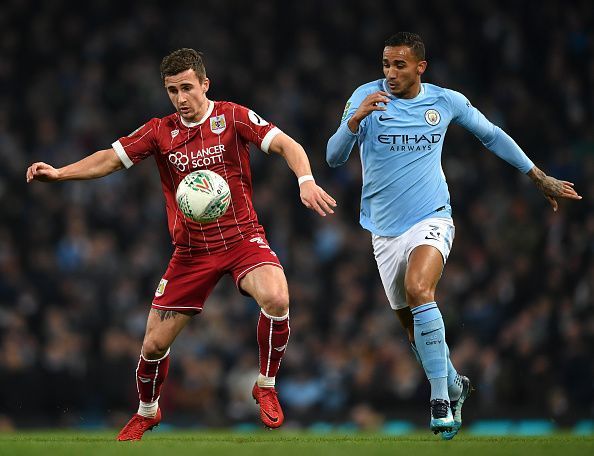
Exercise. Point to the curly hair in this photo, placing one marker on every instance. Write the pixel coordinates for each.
(181, 60)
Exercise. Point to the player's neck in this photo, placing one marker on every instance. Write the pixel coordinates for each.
(202, 111)
(414, 92)
(200, 115)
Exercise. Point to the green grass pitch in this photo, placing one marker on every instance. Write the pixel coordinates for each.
(286, 443)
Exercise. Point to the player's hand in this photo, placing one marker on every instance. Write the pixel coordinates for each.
(315, 198)
(372, 102)
(553, 188)
(42, 172)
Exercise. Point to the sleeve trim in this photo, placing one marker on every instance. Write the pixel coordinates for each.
(119, 149)
(268, 138)
(347, 129)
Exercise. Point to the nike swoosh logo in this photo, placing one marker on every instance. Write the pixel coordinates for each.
(274, 420)
(280, 349)
(423, 333)
(382, 118)
(144, 379)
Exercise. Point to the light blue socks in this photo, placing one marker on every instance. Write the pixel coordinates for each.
(454, 381)
(431, 348)
(454, 387)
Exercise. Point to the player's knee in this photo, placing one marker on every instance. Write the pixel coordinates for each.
(276, 303)
(154, 349)
(419, 292)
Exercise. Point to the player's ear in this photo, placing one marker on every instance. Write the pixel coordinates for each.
(421, 67)
(206, 85)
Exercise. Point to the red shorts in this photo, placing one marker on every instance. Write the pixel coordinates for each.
(188, 281)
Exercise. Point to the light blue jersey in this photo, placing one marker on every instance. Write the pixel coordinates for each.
(400, 148)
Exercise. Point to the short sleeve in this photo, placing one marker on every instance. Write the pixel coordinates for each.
(138, 145)
(253, 128)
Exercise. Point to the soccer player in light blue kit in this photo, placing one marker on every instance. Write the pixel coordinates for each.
(399, 125)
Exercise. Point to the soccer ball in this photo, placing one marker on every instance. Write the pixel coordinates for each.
(203, 196)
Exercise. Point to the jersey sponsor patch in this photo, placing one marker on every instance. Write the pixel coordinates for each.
(256, 119)
(218, 124)
(161, 288)
(346, 110)
(179, 160)
(432, 117)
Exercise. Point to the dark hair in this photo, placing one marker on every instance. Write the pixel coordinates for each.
(181, 60)
(411, 40)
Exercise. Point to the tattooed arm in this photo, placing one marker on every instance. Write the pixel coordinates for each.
(552, 188)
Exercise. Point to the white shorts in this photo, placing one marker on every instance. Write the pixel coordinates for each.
(391, 253)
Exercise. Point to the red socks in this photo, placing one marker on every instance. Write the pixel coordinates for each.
(273, 335)
(150, 375)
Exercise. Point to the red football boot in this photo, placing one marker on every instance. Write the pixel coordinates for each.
(138, 425)
(271, 412)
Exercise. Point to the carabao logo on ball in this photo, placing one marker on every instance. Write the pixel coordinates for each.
(203, 196)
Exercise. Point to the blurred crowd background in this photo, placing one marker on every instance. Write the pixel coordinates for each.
(79, 261)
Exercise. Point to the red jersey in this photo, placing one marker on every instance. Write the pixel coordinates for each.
(218, 142)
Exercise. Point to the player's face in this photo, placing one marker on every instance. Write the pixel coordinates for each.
(188, 94)
(402, 71)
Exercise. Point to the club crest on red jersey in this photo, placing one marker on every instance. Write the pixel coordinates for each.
(161, 287)
(218, 124)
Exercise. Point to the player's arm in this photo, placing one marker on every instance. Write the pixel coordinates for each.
(502, 145)
(342, 142)
(312, 196)
(99, 164)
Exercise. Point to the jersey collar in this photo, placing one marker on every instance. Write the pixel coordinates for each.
(204, 117)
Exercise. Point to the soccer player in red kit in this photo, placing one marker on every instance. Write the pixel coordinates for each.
(214, 135)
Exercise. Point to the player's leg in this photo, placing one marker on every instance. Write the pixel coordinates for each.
(406, 320)
(459, 386)
(181, 293)
(162, 328)
(425, 265)
(391, 257)
(268, 286)
(455, 380)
